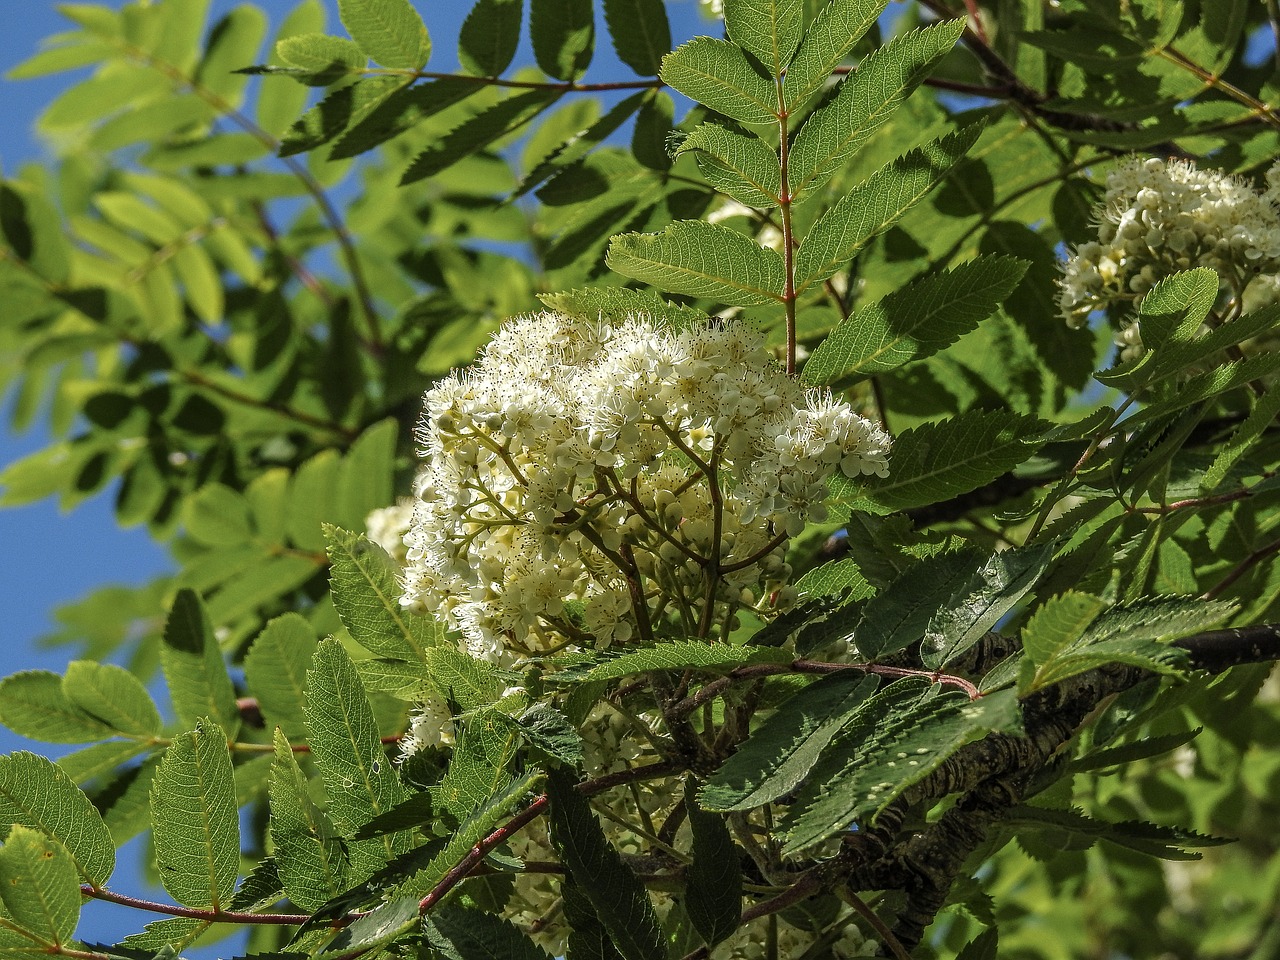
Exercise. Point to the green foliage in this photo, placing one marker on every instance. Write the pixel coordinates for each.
(194, 821)
(227, 325)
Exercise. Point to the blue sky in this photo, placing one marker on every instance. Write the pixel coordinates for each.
(51, 557)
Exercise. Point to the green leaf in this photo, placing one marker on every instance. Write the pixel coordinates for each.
(838, 26)
(113, 696)
(39, 886)
(32, 704)
(469, 934)
(345, 743)
(366, 594)
(740, 165)
(1265, 410)
(581, 143)
(619, 898)
(1058, 624)
(378, 927)
(36, 793)
(1127, 753)
(640, 32)
(308, 853)
(701, 260)
(1174, 308)
(100, 759)
(199, 684)
(898, 616)
(482, 820)
(493, 123)
(779, 754)
(683, 655)
(489, 36)
(907, 734)
(864, 102)
(1152, 839)
(982, 947)
(355, 107)
(195, 823)
(457, 676)
(713, 882)
(914, 322)
(716, 74)
(478, 768)
(936, 461)
(1206, 386)
(327, 58)
(990, 592)
(769, 30)
(549, 731)
(563, 34)
(876, 204)
(275, 671)
(389, 31)
(589, 303)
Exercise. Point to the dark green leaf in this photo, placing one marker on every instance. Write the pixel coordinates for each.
(898, 616)
(907, 734)
(702, 260)
(640, 32)
(716, 74)
(683, 655)
(471, 934)
(619, 898)
(549, 731)
(478, 132)
(563, 34)
(713, 882)
(1155, 840)
(990, 592)
(199, 685)
(581, 143)
(778, 756)
(489, 36)
(933, 462)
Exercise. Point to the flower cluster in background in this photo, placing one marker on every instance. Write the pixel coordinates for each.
(1159, 217)
(592, 484)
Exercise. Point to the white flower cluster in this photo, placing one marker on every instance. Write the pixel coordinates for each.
(592, 483)
(387, 526)
(1162, 216)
